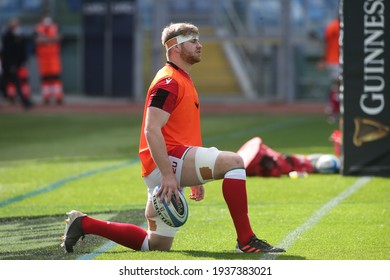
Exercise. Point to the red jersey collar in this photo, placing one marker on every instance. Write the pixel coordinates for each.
(169, 63)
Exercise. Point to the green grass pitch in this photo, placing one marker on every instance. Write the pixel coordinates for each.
(50, 164)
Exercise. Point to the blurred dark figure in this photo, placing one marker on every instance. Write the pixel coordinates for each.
(2, 88)
(48, 51)
(13, 59)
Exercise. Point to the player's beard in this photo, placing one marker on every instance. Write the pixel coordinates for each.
(191, 57)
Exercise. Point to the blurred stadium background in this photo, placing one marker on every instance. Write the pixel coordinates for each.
(263, 50)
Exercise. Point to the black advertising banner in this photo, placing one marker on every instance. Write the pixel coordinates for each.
(123, 46)
(109, 44)
(365, 86)
(94, 22)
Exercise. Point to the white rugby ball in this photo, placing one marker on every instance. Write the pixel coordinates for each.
(327, 164)
(175, 214)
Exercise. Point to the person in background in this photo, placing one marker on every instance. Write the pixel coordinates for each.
(14, 57)
(330, 62)
(48, 51)
(172, 157)
(2, 86)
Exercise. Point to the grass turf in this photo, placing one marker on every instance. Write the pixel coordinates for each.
(52, 164)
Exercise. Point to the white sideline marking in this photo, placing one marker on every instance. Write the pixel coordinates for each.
(102, 249)
(293, 236)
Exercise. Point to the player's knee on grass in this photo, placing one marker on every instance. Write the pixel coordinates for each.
(156, 225)
(160, 234)
(160, 243)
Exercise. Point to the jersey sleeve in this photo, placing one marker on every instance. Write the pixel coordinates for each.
(164, 95)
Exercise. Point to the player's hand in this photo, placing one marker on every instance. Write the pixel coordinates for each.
(197, 193)
(168, 187)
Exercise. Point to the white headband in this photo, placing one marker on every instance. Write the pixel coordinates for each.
(178, 40)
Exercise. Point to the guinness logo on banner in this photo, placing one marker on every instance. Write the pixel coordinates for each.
(365, 87)
(367, 130)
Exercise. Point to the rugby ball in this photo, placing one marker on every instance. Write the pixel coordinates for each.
(327, 164)
(175, 214)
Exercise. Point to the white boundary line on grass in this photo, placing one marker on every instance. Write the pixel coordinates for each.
(314, 219)
(102, 249)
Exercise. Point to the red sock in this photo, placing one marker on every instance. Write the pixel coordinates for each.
(234, 192)
(128, 235)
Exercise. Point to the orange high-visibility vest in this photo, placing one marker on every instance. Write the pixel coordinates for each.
(183, 126)
(332, 42)
(48, 54)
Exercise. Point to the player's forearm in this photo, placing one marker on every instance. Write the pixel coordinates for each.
(158, 150)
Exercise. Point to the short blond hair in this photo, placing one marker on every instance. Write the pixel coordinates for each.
(176, 29)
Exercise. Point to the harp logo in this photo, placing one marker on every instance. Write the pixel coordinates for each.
(367, 130)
